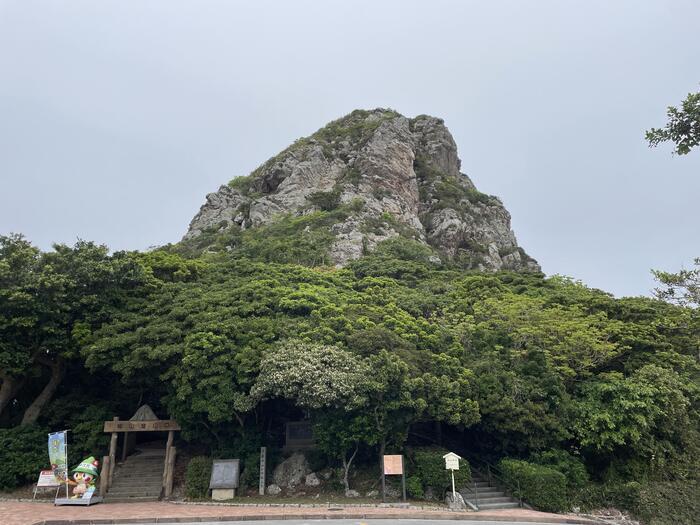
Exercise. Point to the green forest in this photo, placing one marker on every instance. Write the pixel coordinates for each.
(542, 374)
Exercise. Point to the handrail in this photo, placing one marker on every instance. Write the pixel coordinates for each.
(493, 471)
(475, 491)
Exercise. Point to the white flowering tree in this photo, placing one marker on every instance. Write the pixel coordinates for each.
(356, 400)
(314, 376)
(331, 382)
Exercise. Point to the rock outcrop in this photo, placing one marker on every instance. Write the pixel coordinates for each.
(394, 176)
(291, 472)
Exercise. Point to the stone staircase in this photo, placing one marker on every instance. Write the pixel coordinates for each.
(484, 495)
(139, 478)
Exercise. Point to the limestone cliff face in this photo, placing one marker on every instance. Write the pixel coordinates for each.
(399, 176)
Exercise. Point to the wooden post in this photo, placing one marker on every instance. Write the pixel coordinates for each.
(169, 443)
(168, 447)
(383, 481)
(403, 479)
(112, 454)
(104, 475)
(170, 473)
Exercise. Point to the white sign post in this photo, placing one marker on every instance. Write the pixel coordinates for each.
(452, 464)
(263, 466)
(47, 479)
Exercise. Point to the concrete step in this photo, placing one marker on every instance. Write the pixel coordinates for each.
(495, 499)
(136, 486)
(110, 499)
(504, 505)
(136, 482)
(146, 472)
(485, 494)
(139, 472)
(133, 493)
(141, 469)
(130, 474)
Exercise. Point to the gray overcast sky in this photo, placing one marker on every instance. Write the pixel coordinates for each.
(118, 117)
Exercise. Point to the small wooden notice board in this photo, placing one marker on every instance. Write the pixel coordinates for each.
(392, 465)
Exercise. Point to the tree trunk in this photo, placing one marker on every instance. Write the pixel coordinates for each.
(346, 469)
(382, 449)
(34, 410)
(7, 391)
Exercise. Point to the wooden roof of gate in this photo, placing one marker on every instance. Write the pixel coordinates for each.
(144, 420)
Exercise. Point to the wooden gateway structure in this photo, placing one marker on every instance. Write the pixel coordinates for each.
(144, 420)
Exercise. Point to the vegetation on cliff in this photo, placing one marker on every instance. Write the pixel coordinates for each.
(510, 365)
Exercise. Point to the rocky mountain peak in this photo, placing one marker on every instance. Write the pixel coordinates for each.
(369, 177)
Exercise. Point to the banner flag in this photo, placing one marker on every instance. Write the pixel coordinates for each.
(57, 455)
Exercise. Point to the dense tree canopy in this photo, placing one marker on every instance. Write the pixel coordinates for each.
(49, 305)
(233, 346)
(682, 128)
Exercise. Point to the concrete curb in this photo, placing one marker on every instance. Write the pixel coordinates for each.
(333, 515)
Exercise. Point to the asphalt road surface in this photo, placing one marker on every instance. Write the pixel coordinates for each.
(365, 522)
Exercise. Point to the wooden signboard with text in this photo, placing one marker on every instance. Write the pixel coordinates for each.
(141, 426)
(392, 465)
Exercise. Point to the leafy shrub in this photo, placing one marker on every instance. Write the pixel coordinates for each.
(352, 176)
(23, 454)
(619, 495)
(197, 477)
(242, 183)
(297, 240)
(250, 473)
(655, 503)
(355, 127)
(669, 503)
(325, 200)
(404, 249)
(414, 487)
(355, 205)
(430, 469)
(542, 487)
(560, 460)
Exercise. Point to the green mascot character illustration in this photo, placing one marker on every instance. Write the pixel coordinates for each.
(84, 476)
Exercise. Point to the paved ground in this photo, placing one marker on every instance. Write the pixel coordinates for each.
(29, 513)
(364, 522)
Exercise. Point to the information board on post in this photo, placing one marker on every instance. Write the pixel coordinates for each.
(392, 465)
(452, 464)
(47, 480)
(224, 474)
(451, 461)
